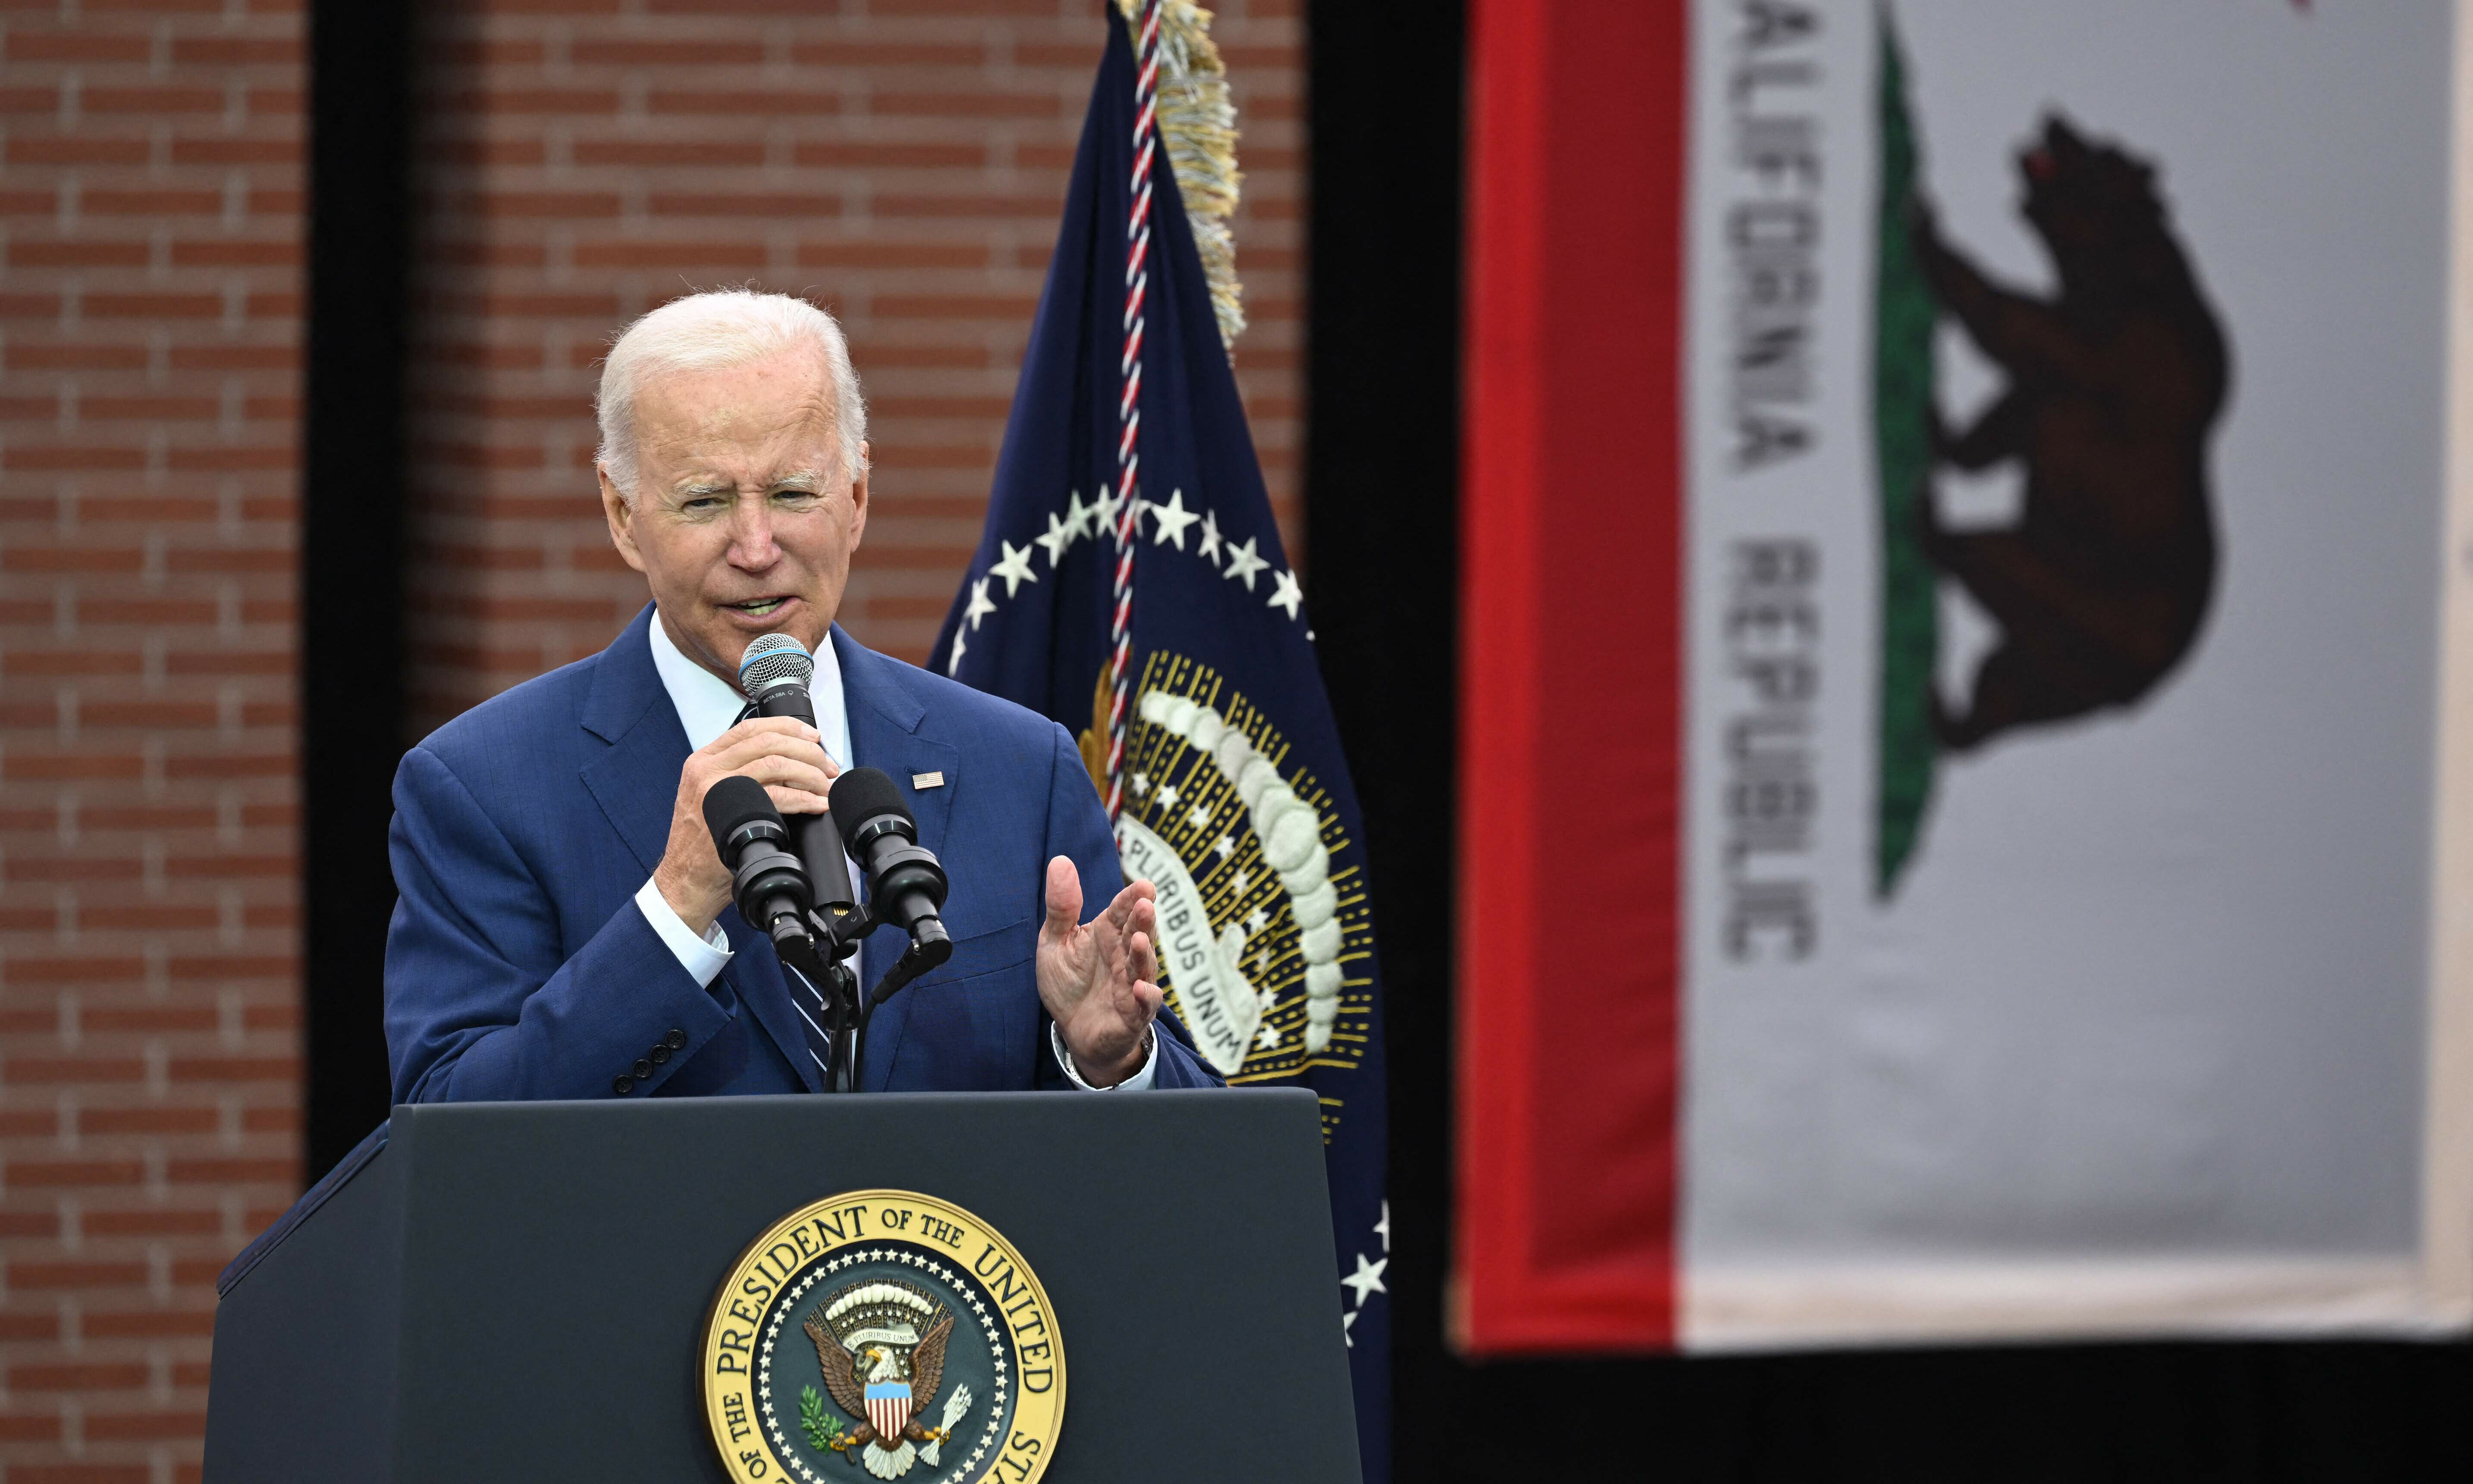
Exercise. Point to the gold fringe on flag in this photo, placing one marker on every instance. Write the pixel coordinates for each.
(1197, 123)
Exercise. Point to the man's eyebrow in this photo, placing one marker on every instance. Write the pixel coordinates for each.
(800, 479)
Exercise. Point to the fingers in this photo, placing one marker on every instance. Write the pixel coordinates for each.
(1063, 899)
(1139, 1001)
(790, 774)
(1136, 895)
(1127, 936)
(773, 736)
(762, 726)
(773, 757)
(742, 742)
(1141, 938)
(798, 800)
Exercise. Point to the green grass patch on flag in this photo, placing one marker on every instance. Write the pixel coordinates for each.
(1903, 312)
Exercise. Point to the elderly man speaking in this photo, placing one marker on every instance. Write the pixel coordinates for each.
(564, 927)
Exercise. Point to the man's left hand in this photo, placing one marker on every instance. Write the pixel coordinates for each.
(1097, 980)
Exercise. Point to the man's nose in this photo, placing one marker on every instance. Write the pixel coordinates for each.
(751, 543)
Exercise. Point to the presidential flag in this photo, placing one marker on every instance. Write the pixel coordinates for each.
(1131, 584)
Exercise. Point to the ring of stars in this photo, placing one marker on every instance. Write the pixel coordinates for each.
(1171, 522)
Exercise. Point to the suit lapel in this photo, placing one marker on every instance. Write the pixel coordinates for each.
(637, 780)
(884, 719)
(636, 784)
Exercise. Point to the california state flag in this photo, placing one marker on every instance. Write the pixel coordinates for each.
(1968, 681)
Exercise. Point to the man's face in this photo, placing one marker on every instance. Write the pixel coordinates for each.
(742, 523)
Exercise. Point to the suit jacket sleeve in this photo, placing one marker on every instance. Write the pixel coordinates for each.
(1077, 828)
(482, 1002)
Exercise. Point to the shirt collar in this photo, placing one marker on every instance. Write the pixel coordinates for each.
(708, 706)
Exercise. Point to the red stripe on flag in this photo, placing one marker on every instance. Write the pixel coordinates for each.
(1572, 668)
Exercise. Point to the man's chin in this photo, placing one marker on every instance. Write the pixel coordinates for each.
(721, 634)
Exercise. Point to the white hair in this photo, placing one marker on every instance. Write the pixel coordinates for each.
(716, 331)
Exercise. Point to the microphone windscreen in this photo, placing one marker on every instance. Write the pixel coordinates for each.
(770, 659)
(736, 801)
(861, 795)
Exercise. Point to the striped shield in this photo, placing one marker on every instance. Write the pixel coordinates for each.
(888, 1408)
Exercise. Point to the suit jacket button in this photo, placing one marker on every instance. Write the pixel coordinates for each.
(677, 1039)
(660, 1053)
(643, 1068)
(623, 1085)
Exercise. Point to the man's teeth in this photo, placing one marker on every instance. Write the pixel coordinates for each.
(760, 606)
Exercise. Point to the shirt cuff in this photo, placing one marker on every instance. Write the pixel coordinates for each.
(703, 958)
(1139, 1082)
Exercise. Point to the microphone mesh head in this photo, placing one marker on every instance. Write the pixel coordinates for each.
(736, 801)
(770, 660)
(861, 795)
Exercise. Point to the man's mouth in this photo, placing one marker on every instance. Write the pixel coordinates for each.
(757, 608)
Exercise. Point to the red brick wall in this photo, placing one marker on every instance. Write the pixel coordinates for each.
(148, 1066)
(903, 161)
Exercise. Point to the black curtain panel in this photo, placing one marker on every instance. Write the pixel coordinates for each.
(1381, 506)
(352, 549)
(1381, 486)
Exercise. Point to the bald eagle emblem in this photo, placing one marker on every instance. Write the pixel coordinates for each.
(883, 1349)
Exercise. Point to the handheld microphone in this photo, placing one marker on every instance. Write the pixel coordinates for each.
(904, 883)
(766, 881)
(773, 673)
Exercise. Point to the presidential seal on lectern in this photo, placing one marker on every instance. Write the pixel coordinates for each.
(883, 1332)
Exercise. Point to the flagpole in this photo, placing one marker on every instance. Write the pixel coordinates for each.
(1129, 402)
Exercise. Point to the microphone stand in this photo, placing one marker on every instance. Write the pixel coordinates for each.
(838, 928)
(820, 959)
(837, 925)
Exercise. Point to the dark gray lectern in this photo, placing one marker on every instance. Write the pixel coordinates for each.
(517, 1290)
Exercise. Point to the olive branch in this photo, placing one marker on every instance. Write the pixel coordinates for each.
(824, 1430)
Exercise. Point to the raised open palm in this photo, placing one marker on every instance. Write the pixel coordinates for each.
(1097, 978)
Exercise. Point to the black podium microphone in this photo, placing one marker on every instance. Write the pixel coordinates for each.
(774, 674)
(906, 885)
(766, 881)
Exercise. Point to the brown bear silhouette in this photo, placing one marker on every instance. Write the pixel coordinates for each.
(2113, 386)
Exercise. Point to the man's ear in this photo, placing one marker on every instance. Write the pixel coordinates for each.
(858, 498)
(621, 517)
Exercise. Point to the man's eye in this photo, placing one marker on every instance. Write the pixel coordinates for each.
(796, 497)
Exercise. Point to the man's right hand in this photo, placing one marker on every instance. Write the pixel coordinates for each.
(783, 755)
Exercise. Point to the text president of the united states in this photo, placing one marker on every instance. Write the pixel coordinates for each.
(564, 927)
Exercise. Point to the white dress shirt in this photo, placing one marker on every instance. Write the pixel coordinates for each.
(707, 707)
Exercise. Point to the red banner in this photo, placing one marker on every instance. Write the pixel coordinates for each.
(1570, 675)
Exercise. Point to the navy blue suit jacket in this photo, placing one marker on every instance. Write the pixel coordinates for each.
(518, 966)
